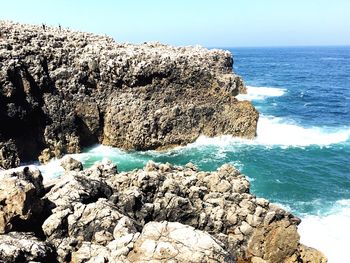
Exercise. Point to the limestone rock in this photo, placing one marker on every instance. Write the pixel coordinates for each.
(24, 247)
(217, 202)
(93, 223)
(311, 255)
(70, 164)
(175, 242)
(72, 188)
(162, 213)
(68, 89)
(20, 198)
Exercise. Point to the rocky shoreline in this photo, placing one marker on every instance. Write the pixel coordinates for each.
(161, 213)
(62, 90)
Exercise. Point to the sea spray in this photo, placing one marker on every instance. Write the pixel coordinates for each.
(329, 231)
(260, 93)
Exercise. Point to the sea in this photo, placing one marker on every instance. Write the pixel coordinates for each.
(301, 156)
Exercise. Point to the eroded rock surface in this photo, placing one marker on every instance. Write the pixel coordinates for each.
(175, 242)
(21, 190)
(70, 164)
(18, 247)
(8, 155)
(161, 213)
(61, 90)
(166, 213)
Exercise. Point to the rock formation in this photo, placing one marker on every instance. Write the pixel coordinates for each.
(20, 198)
(162, 213)
(61, 90)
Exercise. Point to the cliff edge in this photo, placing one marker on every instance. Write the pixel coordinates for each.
(61, 90)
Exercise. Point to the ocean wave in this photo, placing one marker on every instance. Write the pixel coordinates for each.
(51, 170)
(273, 131)
(329, 232)
(261, 93)
(94, 154)
(277, 131)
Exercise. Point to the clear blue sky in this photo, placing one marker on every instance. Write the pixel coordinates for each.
(220, 23)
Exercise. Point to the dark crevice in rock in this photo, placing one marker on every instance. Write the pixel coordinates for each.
(87, 138)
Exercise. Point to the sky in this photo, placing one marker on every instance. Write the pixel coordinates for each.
(220, 23)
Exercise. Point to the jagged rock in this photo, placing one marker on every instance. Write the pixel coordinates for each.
(80, 212)
(70, 164)
(68, 89)
(8, 155)
(20, 192)
(116, 250)
(175, 242)
(18, 247)
(311, 255)
(72, 188)
(275, 242)
(99, 215)
(95, 223)
(104, 169)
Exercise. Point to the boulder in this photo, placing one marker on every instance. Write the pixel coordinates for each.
(67, 229)
(75, 187)
(20, 198)
(18, 247)
(70, 164)
(311, 255)
(175, 242)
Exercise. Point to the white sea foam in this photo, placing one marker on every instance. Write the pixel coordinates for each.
(329, 233)
(51, 170)
(274, 131)
(277, 131)
(284, 206)
(105, 150)
(260, 93)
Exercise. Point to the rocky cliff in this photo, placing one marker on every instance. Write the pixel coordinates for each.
(162, 213)
(61, 90)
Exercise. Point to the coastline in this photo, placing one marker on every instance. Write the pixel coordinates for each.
(109, 108)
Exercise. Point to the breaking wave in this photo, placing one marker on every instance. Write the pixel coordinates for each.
(328, 232)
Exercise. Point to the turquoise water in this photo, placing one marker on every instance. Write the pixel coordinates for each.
(301, 156)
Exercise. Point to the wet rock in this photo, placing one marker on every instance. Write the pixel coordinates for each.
(70, 164)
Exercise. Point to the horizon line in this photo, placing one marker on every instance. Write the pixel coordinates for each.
(281, 46)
